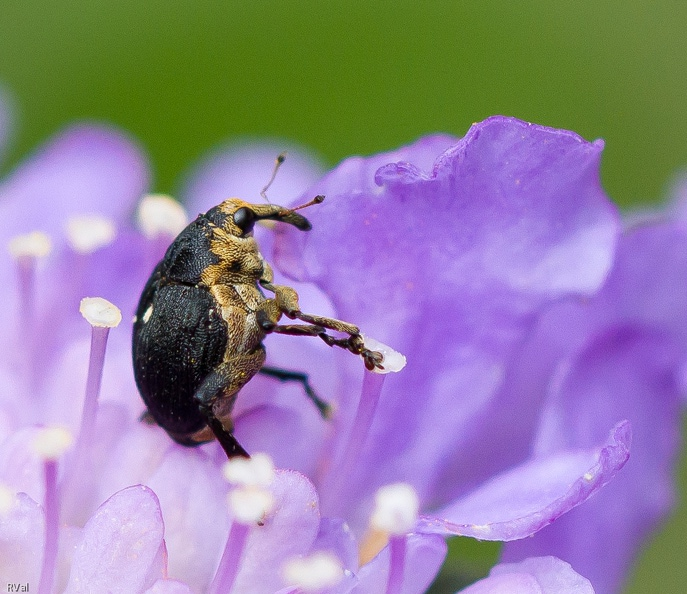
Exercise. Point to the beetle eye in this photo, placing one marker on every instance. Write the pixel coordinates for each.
(244, 218)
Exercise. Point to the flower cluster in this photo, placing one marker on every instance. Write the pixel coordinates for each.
(537, 349)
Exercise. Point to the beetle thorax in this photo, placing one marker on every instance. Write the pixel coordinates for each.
(233, 283)
(238, 260)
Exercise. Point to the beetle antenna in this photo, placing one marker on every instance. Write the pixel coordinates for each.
(316, 200)
(277, 163)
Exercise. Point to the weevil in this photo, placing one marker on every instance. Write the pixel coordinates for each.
(202, 317)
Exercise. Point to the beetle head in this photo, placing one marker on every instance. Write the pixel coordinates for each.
(238, 217)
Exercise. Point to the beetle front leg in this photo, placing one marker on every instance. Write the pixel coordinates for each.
(286, 300)
(272, 309)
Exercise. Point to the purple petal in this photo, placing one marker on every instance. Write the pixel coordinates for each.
(629, 373)
(193, 501)
(449, 266)
(424, 556)
(289, 530)
(134, 458)
(646, 285)
(536, 575)
(121, 547)
(85, 169)
(645, 289)
(21, 470)
(244, 169)
(618, 355)
(518, 503)
(268, 428)
(336, 537)
(22, 530)
(168, 587)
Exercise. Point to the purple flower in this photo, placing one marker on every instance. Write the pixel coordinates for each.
(545, 575)
(449, 259)
(621, 353)
(449, 250)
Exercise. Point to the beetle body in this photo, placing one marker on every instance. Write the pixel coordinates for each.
(202, 317)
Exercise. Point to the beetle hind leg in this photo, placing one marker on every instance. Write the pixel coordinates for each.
(223, 383)
(232, 448)
(287, 375)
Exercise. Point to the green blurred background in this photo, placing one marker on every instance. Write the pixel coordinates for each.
(359, 77)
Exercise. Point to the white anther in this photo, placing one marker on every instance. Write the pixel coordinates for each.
(32, 245)
(250, 504)
(314, 572)
(6, 500)
(87, 233)
(100, 312)
(258, 470)
(51, 442)
(393, 361)
(161, 215)
(396, 509)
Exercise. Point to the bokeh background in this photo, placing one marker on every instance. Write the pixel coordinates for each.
(361, 76)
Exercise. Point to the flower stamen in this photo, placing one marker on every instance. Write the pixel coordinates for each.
(27, 250)
(50, 444)
(160, 218)
(88, 233)
(334, 485)
(392, 361)
(314, 572)
(395, 514)
(101, 315)
(249, 502)
(160, 215)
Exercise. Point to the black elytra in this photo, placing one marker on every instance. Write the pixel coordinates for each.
(202, 317)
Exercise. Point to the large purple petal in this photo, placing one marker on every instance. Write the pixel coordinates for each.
(630, 373)
(85, 169)
(290, 529)
(121, 548)
(518, 503)
(536, 575)
(618, 355)
(449, 265)
(336, 537)
(645, 289)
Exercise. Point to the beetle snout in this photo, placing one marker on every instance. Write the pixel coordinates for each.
(295, 219)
